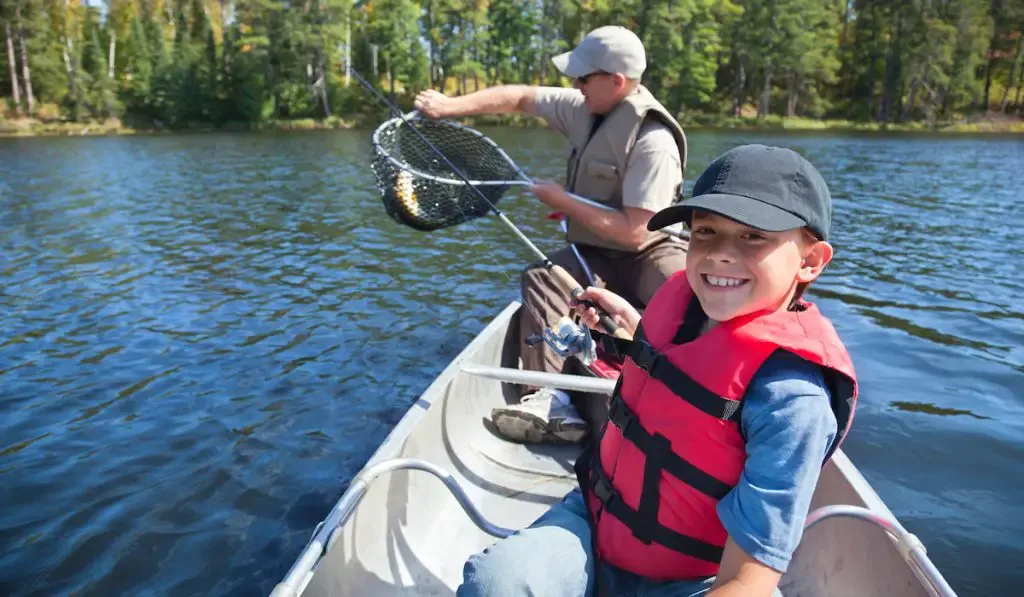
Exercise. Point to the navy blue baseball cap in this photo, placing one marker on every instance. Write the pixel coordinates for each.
(768, 188)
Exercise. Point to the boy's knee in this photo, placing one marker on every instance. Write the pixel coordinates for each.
(551, 557)
(485, 574)
(495, 574)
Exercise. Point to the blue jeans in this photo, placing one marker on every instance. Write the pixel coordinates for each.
(553, 557)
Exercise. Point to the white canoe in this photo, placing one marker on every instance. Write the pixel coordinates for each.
(409, 534)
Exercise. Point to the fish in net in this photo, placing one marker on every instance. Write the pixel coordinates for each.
(420, 189)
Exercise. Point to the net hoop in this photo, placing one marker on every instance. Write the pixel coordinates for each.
(397, 121)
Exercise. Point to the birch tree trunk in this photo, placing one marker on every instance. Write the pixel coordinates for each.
(26, 76)
(321, 83)
(68, 51)
(741, 84)
(226, 41)
(112, 54)
(348, 48)
(15, 90)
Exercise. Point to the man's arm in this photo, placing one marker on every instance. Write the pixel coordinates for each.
(649, 185)
(493, 100)
(627, 226)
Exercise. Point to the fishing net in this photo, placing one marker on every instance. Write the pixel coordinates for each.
(420, 189)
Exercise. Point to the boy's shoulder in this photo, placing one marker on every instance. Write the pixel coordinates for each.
(791, 372)
(790, 391)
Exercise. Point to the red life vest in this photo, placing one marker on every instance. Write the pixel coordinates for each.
(673, 446)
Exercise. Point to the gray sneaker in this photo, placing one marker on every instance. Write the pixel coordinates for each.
(540, 417)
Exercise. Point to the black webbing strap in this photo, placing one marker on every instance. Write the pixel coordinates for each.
(658, 449)
(650, 492)
(612, 502)
(660, 368)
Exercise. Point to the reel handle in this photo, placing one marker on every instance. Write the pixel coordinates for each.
(574, 288)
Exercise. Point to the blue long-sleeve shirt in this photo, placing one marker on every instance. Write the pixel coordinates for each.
(789, 425)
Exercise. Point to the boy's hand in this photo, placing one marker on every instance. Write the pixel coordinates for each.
(618, 308)
(742, 576)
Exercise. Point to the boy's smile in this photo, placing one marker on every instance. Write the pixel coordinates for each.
(736, 270)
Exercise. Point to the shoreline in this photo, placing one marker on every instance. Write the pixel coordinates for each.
(26, 127)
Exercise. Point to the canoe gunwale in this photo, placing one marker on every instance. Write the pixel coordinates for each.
(398, 554)
(301, 572)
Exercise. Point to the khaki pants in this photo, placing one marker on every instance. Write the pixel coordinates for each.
(634, 276)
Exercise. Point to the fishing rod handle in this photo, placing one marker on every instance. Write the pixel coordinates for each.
(574, 288)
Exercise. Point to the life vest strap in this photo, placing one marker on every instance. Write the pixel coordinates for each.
(643, 528)
(647, 358)
(658, 451)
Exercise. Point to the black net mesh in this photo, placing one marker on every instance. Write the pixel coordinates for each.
(427, 204)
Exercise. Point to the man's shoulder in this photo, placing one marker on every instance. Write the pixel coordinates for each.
(656, 136)
(559, 96)
(563, 109)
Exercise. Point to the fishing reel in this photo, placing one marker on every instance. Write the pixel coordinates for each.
(568, 337)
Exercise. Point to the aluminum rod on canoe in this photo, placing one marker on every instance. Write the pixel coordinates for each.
(579, 383)
(907, 543)
(302, 571)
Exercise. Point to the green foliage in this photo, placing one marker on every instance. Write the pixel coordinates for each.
(175, 63)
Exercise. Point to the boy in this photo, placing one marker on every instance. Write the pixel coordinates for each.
(734, 394)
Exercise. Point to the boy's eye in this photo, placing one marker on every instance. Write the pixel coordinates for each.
(702, 231)
(754, 236)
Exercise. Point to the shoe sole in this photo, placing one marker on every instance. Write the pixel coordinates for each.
(526, 428)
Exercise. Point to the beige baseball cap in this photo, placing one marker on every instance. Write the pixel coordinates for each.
(610, 49)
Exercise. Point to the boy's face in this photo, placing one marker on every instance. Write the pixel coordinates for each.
(736, 270)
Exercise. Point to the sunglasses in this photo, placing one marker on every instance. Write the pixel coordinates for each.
(583, 80)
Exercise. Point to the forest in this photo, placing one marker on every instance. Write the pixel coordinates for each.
(177, 63)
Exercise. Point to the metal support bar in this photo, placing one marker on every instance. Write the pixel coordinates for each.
(301, 573)
(579, 383)
(909, 546)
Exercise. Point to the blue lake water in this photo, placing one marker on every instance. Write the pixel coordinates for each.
(204, 337)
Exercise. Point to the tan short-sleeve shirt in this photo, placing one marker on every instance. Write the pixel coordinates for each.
(653, 172)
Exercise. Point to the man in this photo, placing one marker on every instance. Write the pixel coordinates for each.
(628, 153)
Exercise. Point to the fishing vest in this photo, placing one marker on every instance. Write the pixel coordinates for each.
(673, 446)
(597, 163)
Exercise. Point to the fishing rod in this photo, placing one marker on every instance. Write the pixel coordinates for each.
(564, 278)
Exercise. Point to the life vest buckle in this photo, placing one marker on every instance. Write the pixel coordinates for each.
(644, 355)
(602, 486)
(620, 416)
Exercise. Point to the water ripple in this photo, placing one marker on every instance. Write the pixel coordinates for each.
(201, 334)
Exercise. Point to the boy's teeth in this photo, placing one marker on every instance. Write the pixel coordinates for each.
(716, 281)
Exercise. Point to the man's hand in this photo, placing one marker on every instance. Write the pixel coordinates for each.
(550, 193)
(433, 103)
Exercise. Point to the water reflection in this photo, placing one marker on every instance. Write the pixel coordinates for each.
(920, 407)
(202, 338)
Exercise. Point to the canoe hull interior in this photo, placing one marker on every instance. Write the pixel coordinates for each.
(409, 536)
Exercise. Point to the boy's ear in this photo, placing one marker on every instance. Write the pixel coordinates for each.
(816, 257)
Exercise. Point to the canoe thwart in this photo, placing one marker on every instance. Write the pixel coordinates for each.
(562, 381)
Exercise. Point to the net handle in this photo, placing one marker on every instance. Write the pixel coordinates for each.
(560, 274)
(524, 179)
